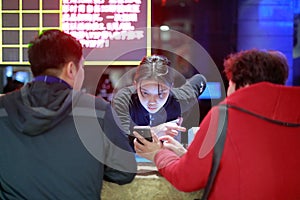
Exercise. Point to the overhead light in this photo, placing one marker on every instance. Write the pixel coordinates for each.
(164, 28)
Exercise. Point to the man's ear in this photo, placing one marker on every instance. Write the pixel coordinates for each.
(71, 70)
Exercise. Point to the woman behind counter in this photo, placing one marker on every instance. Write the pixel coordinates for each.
(153, 101)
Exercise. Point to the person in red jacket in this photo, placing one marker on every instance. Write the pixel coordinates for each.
(261, 155)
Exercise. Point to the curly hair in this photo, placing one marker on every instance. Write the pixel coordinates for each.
(253, 66)
(51, 50)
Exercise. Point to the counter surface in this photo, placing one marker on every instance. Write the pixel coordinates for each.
(147, 185)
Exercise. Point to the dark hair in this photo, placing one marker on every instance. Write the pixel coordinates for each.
(155, 67)
(253, 66)
(51, 50)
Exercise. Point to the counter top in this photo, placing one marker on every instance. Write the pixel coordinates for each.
(147, 185)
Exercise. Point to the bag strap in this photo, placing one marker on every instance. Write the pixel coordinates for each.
(218, 149)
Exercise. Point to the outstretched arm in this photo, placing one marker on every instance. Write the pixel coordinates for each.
(188, 93)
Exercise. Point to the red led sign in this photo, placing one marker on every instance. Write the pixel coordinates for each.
(117, 27)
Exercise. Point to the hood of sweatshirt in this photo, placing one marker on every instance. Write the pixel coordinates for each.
(269, 101)
(38, 106)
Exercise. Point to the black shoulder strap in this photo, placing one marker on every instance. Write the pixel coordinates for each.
(218, 149)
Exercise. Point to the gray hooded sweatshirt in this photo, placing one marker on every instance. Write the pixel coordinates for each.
(56, 143)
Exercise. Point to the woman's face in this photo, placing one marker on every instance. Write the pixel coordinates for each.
(152, 94)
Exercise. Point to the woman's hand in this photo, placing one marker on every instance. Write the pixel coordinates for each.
(172, 144)
(147, 149)
(169, 128)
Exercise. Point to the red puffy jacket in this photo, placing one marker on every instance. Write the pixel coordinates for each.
(261, 157)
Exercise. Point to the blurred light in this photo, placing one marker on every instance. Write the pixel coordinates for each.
(182, 4)
(212, 91)
(9, 71)
(164, 28)
(22, 76)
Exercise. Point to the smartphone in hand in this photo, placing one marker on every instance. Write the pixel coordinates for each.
(144, 131)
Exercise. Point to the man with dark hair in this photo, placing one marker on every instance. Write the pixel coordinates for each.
(57, 142)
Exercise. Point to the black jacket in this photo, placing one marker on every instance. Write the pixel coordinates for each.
(56, 143)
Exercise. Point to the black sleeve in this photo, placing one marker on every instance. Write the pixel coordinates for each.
(121, 166)
(187, 94)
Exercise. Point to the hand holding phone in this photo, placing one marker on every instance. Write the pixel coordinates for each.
(144, 131)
